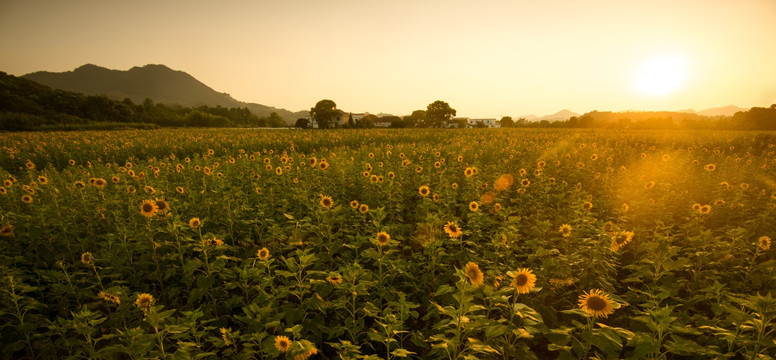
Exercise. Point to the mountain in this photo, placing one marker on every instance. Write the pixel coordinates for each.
(721, 111)
(564, 114)
(157, 82)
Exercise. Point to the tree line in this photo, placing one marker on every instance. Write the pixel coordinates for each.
(26, 105)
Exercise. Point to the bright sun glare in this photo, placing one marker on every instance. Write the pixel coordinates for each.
(661, 75)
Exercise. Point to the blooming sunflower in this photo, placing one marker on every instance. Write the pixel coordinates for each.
(565, 230)
(334, 279)
(263, 254)
(452, 230)
(705, 210)
(710, 167)
(282, 343)
(6, 230)
(42, 180)
(523, 281)
(195, 223)
(86, 258)
(383, 238)
(354, 204)
(764, 242)
(472, 271)
(596, 303)
(161, 206)
(424, 191)
(326, 201)
(587, 205)
(148, 208)
(363, 208)
(620, 240)
(144, 301)
(27, 199)
(3, 191)
(525, 182)
(474, 206)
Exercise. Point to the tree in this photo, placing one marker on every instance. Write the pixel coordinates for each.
(418, 118)
(438, 113)
(507, 121)
(302, 123)
(323, 113)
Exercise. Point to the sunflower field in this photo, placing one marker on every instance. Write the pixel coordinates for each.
(387, 244)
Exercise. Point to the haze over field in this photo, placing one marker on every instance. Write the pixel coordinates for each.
(486, 59)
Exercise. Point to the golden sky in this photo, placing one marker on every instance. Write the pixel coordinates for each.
(486, 58)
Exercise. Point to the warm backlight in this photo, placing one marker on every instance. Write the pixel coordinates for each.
(661, 75)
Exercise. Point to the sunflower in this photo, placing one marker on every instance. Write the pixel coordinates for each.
(474, 206)
(86, 258)
(3, 191)
(596, 303)
(620, 240)
(435, 197)
(326, 201)
(587, 205)
(764, 242)
(391, 175)
(705, 210)
(279, 170)
(523, 281)
(6, 230)
(649, 185)
(468, 172)
(7, 183)
(565, 230)
(144, 301)
(354, 204)
(263, 254)
(282, 343)
(363, 208)
(624, 207)
(454, 186)
(710, 167)
(452, 230)
(323, 165)
(27, 199)
(161, 206)
(99, 183)
(42, 180)
(109, 297)
(497, 207)
(148, 208)
(525, 182)
(424, 191)
(472, 271)
(383, 238)
(696, 207)
(334, 279)
(194, 223)
(179, 190)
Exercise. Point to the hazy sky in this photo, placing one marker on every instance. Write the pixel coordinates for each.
(485, 58)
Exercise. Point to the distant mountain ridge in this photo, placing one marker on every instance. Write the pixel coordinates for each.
(157, 82)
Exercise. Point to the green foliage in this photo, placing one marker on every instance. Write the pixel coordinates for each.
(85, 274)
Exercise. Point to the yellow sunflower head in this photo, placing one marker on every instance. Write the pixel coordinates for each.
(452, 230)
(383, 238)
(523, 281)
(326, 202)
(263, 254)
(472, 271)
(596, 303)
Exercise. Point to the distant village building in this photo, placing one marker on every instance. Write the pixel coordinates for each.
(491, 123)
(472, 123)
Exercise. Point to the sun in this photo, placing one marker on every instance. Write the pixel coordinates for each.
(661, 75)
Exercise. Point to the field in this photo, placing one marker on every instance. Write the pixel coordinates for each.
(427, 244)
